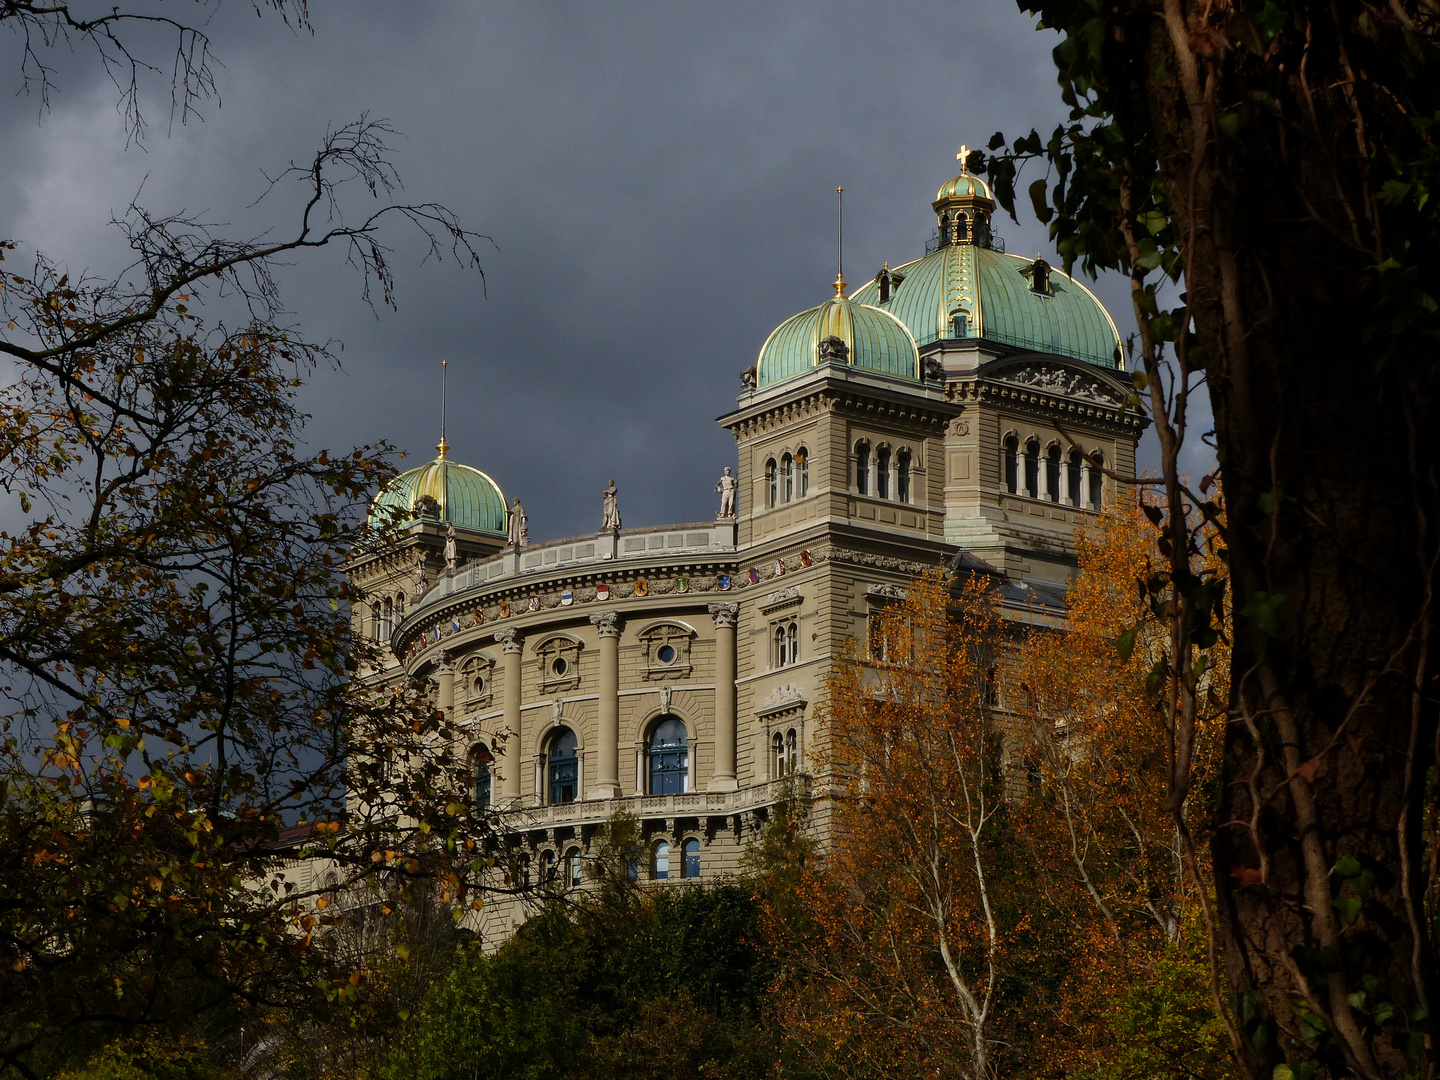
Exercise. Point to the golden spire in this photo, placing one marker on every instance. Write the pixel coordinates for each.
(442, 447)
(839, 241)
(963, 156)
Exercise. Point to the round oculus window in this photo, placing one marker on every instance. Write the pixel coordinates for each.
(479, 685)
(666, 654)
(558, 665)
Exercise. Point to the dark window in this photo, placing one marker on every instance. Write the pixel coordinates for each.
(902, 461)
(1072, 477)
(691, 868)
(1040, 276)
(563, 768)
(558, 665)
(787, 467)
(882, 472)
(962, 228)
(482, 785)
(1032, 469)
(661, 861)
(959, 324)
(1012, 449)
(772, 480)
(547, 868)
(1097, 482)
(574, 869)
(669, 757)
(1052, 473)
(666, 654)
(778, 764)
(802, 469)
(862, 468)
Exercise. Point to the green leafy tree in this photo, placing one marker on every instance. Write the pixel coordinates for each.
(1263, 172)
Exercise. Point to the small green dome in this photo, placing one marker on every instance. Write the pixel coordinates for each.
(994, 292)
(462, 495)
(874, 340)
(963, 186)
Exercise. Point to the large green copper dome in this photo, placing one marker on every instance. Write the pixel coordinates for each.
(994, 292)
(873, 341)
(464, 496)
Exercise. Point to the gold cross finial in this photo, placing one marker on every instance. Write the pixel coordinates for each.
(963, 156)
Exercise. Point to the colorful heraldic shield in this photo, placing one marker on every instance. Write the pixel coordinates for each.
(723, 581)
(567, 598)
(642, 587)
(602, 592)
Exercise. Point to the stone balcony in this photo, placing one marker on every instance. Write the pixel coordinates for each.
(598, 551)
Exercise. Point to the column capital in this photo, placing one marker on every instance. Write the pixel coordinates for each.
(510, 640)
(607, 625)
(445, 663)
(725, 614)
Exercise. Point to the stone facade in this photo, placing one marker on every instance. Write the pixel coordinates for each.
(571, 661)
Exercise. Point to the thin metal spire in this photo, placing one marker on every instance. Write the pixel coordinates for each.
(839, 241)
(443, 446)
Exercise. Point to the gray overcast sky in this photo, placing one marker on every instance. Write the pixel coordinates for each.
(659, 179)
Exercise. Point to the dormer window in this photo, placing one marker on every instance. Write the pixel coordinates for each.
(962, 229)
(960, 323)
(1040, 276)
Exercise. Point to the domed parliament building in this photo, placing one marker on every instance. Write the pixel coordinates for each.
(675, 671)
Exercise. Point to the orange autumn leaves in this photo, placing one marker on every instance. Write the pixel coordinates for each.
(1003, 890)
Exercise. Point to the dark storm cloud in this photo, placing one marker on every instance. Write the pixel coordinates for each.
(659, 179)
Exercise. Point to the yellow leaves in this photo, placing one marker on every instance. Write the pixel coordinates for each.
(121, 722)
(321, 903)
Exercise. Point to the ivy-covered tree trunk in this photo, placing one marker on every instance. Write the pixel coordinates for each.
(1277, 160)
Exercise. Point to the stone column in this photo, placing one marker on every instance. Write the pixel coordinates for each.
(725, 616)
(1020, 488)
(446, 700)
(1085, 484)
(511, 646)
(1042, 473)
(607, 755)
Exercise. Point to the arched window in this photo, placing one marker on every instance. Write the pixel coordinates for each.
(960, 323)
(1032, 468)
(962, 228)
(882, 472)
(691, 867)
(787, 643)
(862, 468)
(481, 758)
(376, 609)
(660, 861)
(772, 481)
(1072, 477)
(562, 770)
(1097, 481)
(778, 763)
(902, 476)
(1052, 474)
(574, 869)
(1010, 466)
(669, 757)
(386, 614)
(547, 868)
(787, 469)
(780, 654)
(793, 633)
(802, 472)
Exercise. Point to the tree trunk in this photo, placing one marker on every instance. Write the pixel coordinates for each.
(1326, 437)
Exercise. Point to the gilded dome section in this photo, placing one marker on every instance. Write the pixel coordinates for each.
(963, 186)
(463, 496)
(874, 341)
(994, 291)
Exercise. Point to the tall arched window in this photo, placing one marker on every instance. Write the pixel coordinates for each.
(902, 476)
(376, 609)
(772, 482)
(482, 778)
(787, 471)
(1052, 474)
(1097, 481)
(1072, 477)
(862, 468)
(574, 869)
(962, 228)
(787, 643)
(802, 472)
(882, 472)
(562, 768)
(1032, 468)
(660, 861)
(547, 868)
(793, 633)
(691, 867)
(960, 323)
(1010, 466)
(386, 614)
(779, 765)
(669, 755)
(792, 749)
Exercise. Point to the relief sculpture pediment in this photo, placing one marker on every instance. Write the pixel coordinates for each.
(1063, 381)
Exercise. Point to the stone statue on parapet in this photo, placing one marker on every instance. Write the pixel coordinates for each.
(419, 575)
(611, 521)
(519, 534)
(726, 488)
(452, 552)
